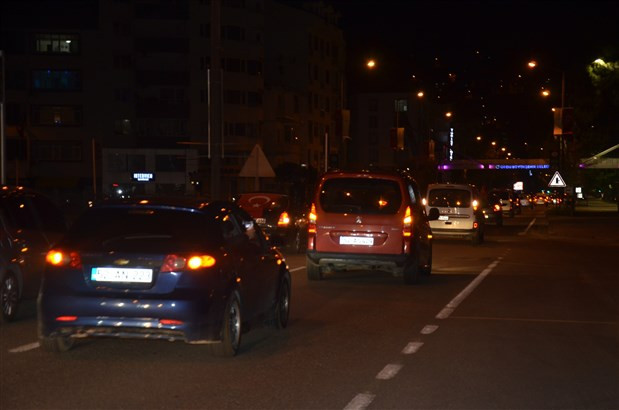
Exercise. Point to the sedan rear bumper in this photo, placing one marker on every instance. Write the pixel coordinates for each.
(193, 321)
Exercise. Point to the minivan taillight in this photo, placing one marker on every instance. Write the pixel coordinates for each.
(311, 225)
(407, 223)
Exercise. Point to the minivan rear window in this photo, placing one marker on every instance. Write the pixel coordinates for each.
(361, 195)
(449, 198)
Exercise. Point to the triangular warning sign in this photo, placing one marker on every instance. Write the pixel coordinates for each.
(556, 181)
(257, 165)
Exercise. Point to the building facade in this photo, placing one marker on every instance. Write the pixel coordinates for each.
(89, 77)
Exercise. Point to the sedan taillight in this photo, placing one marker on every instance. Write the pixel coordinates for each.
(173, 263)
(57, 257)
(284, 219)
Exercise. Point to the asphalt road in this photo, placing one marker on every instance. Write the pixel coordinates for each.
(528, 320)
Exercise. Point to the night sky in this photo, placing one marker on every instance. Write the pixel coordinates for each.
(409, 35)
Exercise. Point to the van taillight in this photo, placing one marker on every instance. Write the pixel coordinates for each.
(311, 225)
(57, 257)
(407, 226)
(284, 219)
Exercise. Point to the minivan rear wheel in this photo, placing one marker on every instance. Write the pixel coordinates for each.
(411, 272)
(313, 270)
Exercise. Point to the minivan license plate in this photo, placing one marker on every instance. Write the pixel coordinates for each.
(121, 275)
(356, 240)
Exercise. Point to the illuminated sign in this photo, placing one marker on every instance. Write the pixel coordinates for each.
(518, 186)
(143, 176)
(518, 166)
(451, 144)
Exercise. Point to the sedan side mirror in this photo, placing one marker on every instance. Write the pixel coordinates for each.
(433, 215)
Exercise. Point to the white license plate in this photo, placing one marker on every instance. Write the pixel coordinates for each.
(121, 275)
(443, 218)
(261, 221)
(356, 240)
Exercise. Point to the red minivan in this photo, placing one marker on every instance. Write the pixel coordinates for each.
(369, 220)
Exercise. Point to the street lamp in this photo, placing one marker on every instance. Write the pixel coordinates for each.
(371, 64)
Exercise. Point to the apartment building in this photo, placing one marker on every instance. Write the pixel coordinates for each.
(92, 78)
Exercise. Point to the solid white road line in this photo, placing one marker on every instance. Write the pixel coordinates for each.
(451, 306)
(360, 401)
(412, 347)
(296, 269)
(389, 372)
(25, 348)
(528, 227)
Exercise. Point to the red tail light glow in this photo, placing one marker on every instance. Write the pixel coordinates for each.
(66, 318)
(56, 257)
(497, 207)
(284, 219)
(311, 226)
(170, 322)
(173, 263)
(407, 226)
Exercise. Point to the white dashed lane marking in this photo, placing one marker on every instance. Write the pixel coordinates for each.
(389, 372)
(360, 401)
(412, 347)
(25, 348)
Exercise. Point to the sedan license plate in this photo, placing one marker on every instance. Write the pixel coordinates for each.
(261, 221)
(121, 275)
(443, 218)
(356, 240)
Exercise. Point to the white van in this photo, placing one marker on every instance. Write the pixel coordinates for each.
(459, 209)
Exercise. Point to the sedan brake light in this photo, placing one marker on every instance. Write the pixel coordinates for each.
(172, 263)
(284, 219)
(57, 257)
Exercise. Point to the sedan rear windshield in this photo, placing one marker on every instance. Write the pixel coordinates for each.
(361, 195)
(451, 198)
(152, 229)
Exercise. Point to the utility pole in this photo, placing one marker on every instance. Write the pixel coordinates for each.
(215, 103)
(2, 136)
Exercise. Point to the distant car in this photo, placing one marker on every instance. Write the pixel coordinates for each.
(509, 204)
(524, 201)
(491, 208)
(279, 217)
(369, 220)
(166, 269)
(30, 222)
(540, 199)
(460, 215)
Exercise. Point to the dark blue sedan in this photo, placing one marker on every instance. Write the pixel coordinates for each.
(162, 269)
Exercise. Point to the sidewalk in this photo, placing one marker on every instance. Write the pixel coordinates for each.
(596, 205)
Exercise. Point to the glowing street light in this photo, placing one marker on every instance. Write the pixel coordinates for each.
(371, 64)
(532, 64)
(420, 94)
(448, 114)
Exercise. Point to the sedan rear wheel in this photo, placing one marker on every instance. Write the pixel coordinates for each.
(9, 294)
(282, 308)
(231, 329)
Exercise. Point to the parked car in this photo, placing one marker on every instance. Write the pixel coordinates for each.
(279, 217)
(30, 222)
(369, 220)
(491, 208)
(162, 269)
(460, 215)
